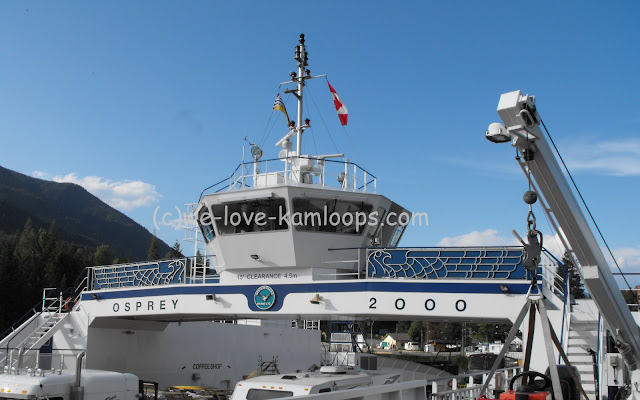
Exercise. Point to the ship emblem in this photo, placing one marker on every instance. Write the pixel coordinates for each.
(264, 297)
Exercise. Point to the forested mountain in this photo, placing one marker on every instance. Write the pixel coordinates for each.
(50, 232)
(81, 218)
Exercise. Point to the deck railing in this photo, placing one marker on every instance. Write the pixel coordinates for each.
(368, 263)
(33, 359)
(447, 262)
(184, 270)
(297, 170)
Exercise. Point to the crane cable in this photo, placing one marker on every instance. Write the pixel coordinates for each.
(585, 205)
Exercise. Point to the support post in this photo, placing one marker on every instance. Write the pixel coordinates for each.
(553, 367)
(503, 352)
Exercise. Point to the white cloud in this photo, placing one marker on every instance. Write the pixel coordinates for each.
(553, 244)
(628, 258)
(488, 237)
(123, 195)
(39, 174)
(491, 237)
(618, 158)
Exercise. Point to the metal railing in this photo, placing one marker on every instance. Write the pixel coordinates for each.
(186, 270)
(635, 294)
(413, 263)
(466, 386)
(20, 324)
(297, 170)
(35, 358)
(448, 262)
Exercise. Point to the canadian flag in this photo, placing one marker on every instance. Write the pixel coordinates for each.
(343, 113)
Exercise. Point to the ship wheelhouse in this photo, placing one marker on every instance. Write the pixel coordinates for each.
(297, 214)
(282, 219)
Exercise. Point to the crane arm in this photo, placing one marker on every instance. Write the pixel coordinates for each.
(522, 128)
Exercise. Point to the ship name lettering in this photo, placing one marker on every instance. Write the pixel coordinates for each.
(151, 305)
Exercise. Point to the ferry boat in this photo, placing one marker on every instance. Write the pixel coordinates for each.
(307, 237)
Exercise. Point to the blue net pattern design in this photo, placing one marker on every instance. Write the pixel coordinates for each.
(440, 263)
(140, 274)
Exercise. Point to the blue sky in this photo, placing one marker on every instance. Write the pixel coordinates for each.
(147, 103)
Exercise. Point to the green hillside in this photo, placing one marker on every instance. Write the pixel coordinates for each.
(81, 218)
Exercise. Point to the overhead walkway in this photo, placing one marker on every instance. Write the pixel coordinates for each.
(488, 283)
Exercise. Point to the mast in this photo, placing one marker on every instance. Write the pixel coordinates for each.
(300, 77)
(302, 58)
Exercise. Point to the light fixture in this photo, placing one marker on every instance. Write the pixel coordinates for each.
(316, 299)
(256, 152)
(497, 133)
(255, 257)
(505, 289)
(212, 297)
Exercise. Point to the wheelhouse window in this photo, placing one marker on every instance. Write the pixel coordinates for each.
(206, 224)
(397, 234)
(260, 215)
(330, 215)
(374, 225)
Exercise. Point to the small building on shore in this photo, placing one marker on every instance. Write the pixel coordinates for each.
(394, 341)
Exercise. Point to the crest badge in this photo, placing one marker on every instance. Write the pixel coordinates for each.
(264, 297)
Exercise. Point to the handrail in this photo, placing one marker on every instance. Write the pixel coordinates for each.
(151, 273)
(19, 322)
(22, 319)
(368, 177)
(216, 184)
(498, 262)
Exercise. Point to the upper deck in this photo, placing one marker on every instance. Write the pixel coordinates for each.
(399, 283)
(317, 172)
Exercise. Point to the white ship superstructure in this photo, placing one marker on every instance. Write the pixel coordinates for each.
(307, 237)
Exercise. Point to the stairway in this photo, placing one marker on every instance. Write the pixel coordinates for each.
(30, 336)
(583, 335)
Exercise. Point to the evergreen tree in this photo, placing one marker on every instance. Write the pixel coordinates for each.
(7, 278)
(102, 255)
(28, 263)
(153, 254)
(444, 331)
(415, 331)
(176, 250)
(490, 332)
(51, 251)
(403, 326)
(576, 287)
